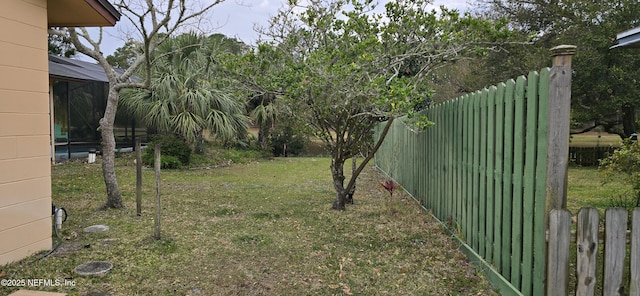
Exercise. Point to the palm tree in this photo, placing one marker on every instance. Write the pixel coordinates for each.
(186, 97)
(263, 113)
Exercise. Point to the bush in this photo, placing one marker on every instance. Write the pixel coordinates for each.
(625, 160)
(296, 143)
(166, 161)
(175, 152)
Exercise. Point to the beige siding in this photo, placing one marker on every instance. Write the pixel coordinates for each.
(25, 171)
(13, 101)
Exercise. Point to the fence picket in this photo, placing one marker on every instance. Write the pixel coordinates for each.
(468, 226)
(451, 173)
(540, 213)
(476, 170)
(531, 129)
(587, 251)
(491, 104)
(508, 178)
(558, 253)
(482, 196)
(459, 159)
(614, 250)
(634, 285)
(498, 176)
(518, 169)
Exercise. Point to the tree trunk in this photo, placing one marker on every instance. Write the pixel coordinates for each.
(114, 199)
(628, 120)
(338, 166)
(263, 136)
(352, 191)
(337, 172)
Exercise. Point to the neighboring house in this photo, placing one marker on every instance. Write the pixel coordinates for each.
(79, 99)
(630, 38)
(25, 125)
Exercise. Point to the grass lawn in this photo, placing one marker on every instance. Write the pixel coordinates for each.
(595, 139)
(586, 188)
(261, 228)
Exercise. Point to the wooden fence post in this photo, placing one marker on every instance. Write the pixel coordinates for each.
(559, 117)
(156, 166)
(138, 178)
(559, 105)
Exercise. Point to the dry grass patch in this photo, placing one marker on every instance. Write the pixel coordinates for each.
(262, 228)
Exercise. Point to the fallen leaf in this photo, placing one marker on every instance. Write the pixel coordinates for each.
(346, 290)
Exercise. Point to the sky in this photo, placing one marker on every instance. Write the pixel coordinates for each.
(235, 18)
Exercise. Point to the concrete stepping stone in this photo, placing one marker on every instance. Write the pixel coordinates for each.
(96, 228)
(93, 268)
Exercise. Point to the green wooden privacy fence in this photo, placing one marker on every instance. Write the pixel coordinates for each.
(486, 170)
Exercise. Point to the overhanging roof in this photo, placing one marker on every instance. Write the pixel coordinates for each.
(630, 38)
(70, 69)
(81, 13)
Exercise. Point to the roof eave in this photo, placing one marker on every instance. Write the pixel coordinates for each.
(628, 39)
(105, 9)
(81, 13)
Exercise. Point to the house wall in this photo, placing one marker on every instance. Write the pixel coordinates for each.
(25, 168)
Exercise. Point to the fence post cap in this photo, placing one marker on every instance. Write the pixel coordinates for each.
(563, 50)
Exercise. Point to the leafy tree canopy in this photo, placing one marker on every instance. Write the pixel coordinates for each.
(605, 91)
(60, 45)
(126, 55)
(185, 97)
(340, 67)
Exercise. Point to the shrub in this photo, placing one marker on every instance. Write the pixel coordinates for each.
(625, 160)
(166, 161)
(175, 152)
(296, 143)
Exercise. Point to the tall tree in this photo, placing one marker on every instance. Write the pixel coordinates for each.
(250, 73)
(183, 98)
(60, 45)
(155, 23)
(604, 91)
(347, 68)
(126, 55)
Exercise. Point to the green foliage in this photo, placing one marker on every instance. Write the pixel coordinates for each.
(124, 56)
(241, 155)
(338, 68)
(186, 97)
(285, 134)
(625, 160)
(61, 46)
(174, 152)
(166, 161)
(604, 86)
(622, 200)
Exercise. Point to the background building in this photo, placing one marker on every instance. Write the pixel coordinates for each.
(79, 99)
